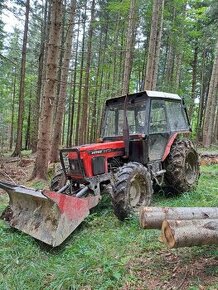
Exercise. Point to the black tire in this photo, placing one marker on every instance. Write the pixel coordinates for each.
(133, 189)
(182, 166)
(58, 181)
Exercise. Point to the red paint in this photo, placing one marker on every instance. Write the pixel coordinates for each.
(72, 155)
(100, 146)
(73, 208)
(169, 144)
(87, 152)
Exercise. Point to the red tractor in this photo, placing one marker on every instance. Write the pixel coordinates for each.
(140, 146)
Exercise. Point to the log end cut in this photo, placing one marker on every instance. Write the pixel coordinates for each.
(168, 235)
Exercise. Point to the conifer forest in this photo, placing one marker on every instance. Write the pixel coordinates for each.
(60, 61)
(108, 144)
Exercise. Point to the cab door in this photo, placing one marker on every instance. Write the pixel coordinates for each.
(158, 129)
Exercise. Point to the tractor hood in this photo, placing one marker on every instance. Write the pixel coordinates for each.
(89, 160)
(99, 148)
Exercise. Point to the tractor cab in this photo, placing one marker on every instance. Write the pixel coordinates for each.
(152, 118)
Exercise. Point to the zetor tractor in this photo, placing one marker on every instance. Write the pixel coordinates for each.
(141, 146)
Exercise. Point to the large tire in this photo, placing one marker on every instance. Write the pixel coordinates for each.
(58, 181)
(182, 166)
(133, 189)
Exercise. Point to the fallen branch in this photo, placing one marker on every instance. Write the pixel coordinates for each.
(7, 176)
(153, 217)
(187, 233)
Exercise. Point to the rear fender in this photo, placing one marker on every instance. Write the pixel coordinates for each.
(168, 146)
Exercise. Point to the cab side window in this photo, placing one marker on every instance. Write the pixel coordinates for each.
(177, 119)
(158, 117)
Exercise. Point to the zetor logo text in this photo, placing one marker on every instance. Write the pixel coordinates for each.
(100, 151)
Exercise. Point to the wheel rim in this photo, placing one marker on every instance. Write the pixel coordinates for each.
(191, 171)
(137, 191)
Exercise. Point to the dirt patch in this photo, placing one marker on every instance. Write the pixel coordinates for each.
(173, 270)
(7, 214)
(16, 170)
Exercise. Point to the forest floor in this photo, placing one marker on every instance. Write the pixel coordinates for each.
(104, 253)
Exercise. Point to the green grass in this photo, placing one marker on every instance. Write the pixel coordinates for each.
(104, 253)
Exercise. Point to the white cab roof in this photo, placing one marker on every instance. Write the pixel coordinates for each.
(155, 94)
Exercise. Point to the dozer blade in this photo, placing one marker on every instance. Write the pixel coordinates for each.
(47, 216)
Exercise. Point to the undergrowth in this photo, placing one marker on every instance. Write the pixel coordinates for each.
(104, 253)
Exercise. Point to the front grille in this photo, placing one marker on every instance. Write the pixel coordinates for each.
(98, 165)
(75, 167)
(72, 166)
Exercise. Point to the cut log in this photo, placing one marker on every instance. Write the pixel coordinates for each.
(208, 158)
(152, 217)
(187, 233)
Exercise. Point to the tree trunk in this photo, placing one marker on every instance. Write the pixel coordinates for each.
(194, 80)
(43, 146)
(211, 103)
(78, 119)
(94, 110)
(202, 97)
(152, 217)
(18, 147)
(36, 102)
(154, 45)
(12, 110)
(85, 101)
(121, 60)
(56, 137)
(216, 127)
(183, 233)
(130, 41)
(27, 141)
(72, 95)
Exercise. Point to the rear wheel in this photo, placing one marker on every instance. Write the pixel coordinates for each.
(182, 166)
(133, 189)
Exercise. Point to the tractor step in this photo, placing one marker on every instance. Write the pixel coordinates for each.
(45, 215)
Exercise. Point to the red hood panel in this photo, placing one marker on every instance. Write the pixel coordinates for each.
(100, 146)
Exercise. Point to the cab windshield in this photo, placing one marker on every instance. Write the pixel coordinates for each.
(114, 118)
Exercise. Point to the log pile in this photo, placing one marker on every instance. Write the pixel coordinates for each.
(208, 158)
(182, 226)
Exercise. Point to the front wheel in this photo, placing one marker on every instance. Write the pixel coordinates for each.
(133, 189)
(58, 181)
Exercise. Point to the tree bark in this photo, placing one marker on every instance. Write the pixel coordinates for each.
(57, 126)
(72, 95)
(18, 147)
(94, 110)
(211, 103)
(202, 97)
(43, 146)
(154, 46)
(36, 101)
(183, 233)
(12, 110)
(85, 100)
(27, 141)
(130, 40)
(194, 81)
(152, 217)
(78, 118)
